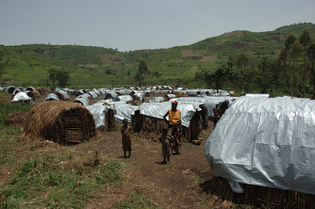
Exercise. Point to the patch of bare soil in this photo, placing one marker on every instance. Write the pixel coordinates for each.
(174, 185)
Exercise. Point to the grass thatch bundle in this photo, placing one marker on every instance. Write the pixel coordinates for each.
(261, 197)
(60, 121)
(15, 119)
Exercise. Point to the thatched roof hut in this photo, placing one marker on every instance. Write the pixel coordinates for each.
(60, 121)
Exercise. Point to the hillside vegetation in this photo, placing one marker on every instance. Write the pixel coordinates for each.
(27, 65)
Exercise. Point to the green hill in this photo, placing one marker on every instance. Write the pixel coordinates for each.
(102, 67)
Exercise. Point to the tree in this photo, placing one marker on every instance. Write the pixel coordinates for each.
(142, 72)
(52, 75)
(295, 53)
(282, 64)
(242, 60)
(60, 75)
(63, 77)
(222, 76)
(289, 41)
(311, 68)
(267, 74)
(305, 40)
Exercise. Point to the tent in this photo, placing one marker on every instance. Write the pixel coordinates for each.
(21, 97)
(52, 96)
(265, 142)
(82, 100)
(156, 100)
(209, 101)
(99, 112)
(17, 90)
(93, 94)
(125, 98)
(63, 95)
(124, 111)
(110, 95)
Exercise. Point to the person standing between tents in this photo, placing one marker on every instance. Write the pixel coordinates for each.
(216, 115)
(174, 121)
(166, 147)
(126, 139)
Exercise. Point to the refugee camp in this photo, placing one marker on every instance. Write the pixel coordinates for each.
(157, 104)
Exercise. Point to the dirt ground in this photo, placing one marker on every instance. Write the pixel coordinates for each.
(174, 185)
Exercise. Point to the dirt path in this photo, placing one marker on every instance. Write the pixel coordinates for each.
(170, 186)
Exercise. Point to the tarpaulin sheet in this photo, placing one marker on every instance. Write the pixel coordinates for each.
(208, 101)
(266, 142)
(124, 111)
(125, 98)
(83, 100)
(140, 94)
(52, 96)
(93, 94)
(99, 111)
(21, 96)
(64, 93)
(156, 100)
(158, 110)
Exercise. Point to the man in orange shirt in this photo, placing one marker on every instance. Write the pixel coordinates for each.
(174, 121)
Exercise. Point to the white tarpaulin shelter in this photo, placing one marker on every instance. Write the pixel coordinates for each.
(64, 93)
(158, 110)
(99, 111)
(156, 100)
(93, 94)
(52, 96)
(124, 111)
(21, 96)
(82, 100)
(267, 142)
(208, 101)
(125, 98)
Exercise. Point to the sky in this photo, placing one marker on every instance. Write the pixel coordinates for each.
(128, 25)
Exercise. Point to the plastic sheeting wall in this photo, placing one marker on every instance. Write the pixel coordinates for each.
(266, 142)
(99, 111)
(124, 111)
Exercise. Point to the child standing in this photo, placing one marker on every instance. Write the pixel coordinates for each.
(166, 148)
(126, 139)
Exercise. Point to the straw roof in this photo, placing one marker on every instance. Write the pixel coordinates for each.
(60, 121)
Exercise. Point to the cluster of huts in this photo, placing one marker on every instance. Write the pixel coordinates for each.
(258, 141)
(114, 106)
